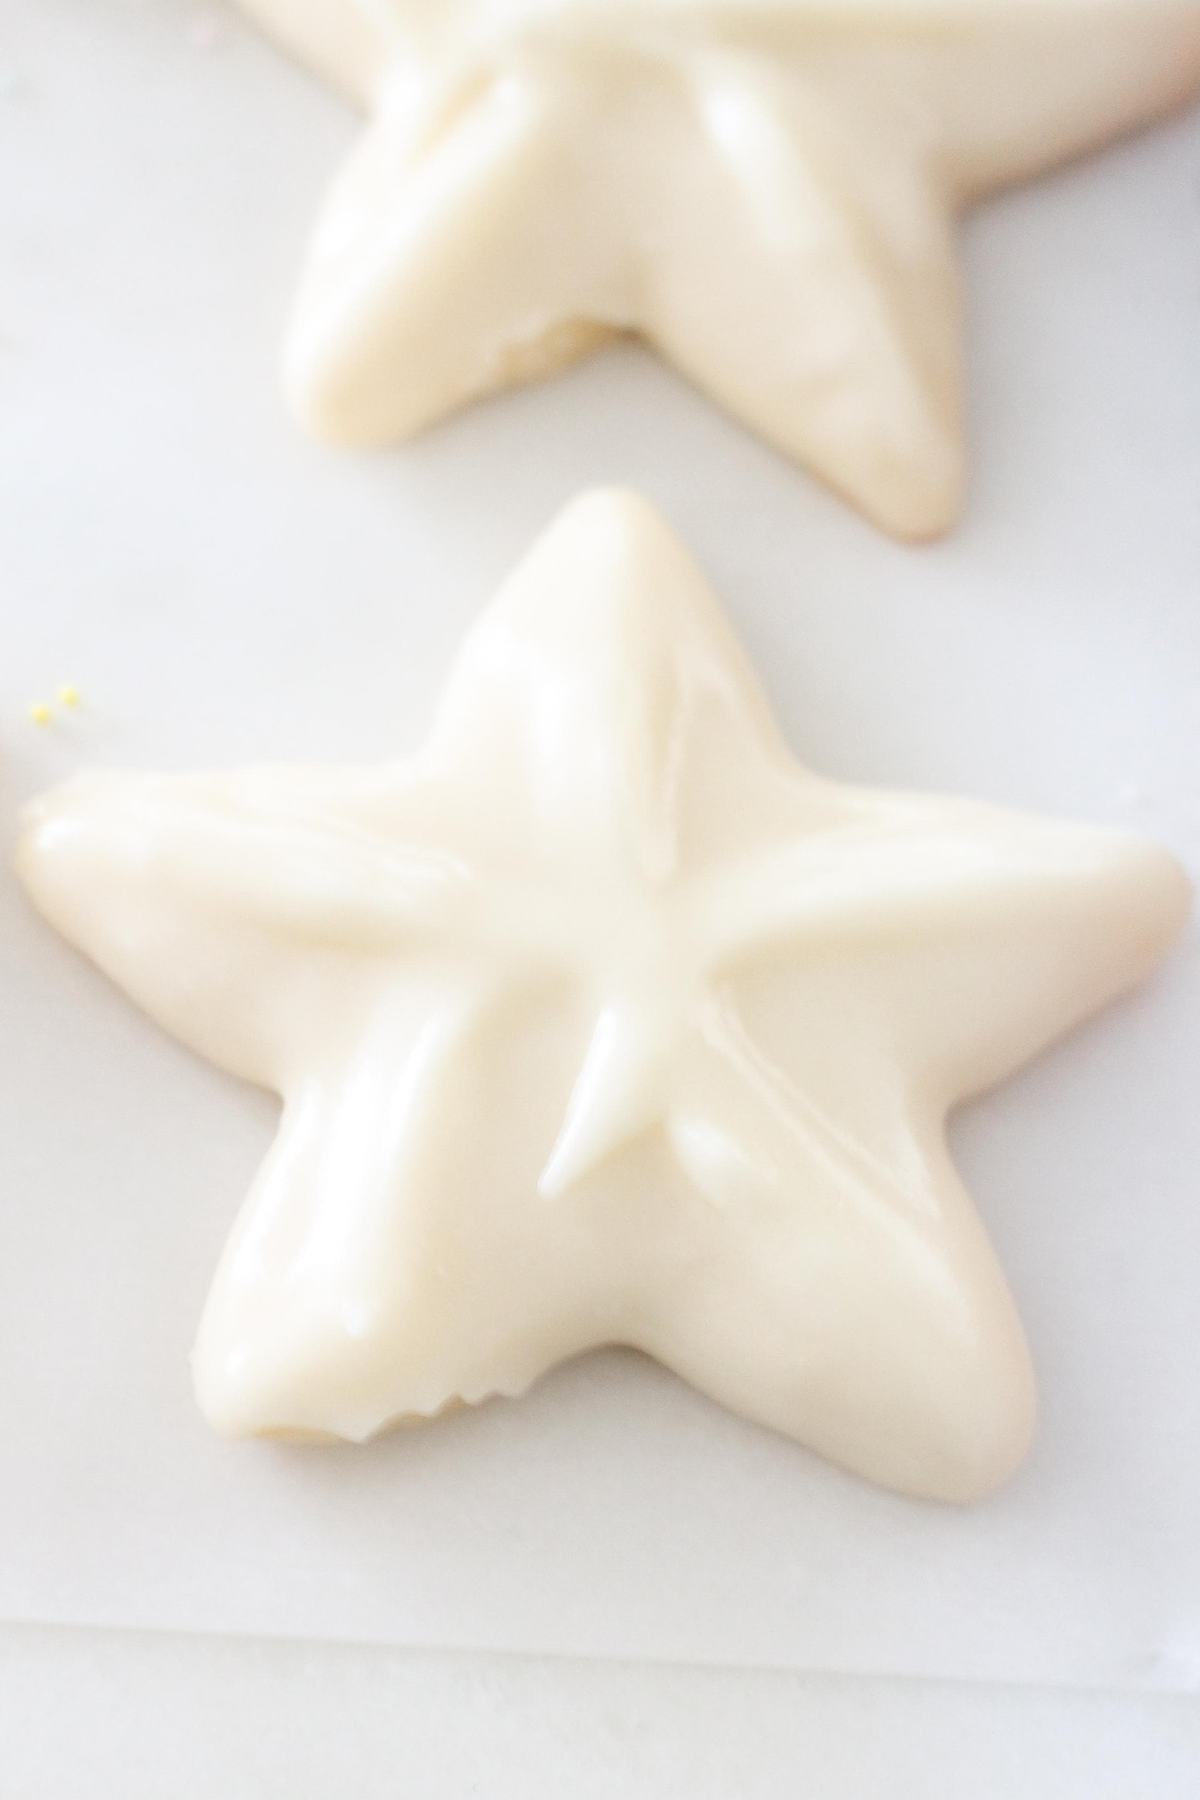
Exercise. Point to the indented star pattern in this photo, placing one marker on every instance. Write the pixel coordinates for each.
(764, 191)
(602, 1021)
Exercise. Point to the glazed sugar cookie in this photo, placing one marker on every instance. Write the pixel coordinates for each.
(766, 192)
(602, 1021)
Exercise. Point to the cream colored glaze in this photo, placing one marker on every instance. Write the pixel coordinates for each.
(765, 191)
(602, 1021)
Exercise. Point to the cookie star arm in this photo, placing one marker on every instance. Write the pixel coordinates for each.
(992, 933)
(216, 902)
(597, 682)
(314, 1322)
(436, 273)
(807, 281)
(1038, 84)
(988, 94)
(847, 1298)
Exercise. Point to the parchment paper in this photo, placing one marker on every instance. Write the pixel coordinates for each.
(223, 591)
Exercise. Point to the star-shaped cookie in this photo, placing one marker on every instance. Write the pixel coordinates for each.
(763, 189)
(602, 1021)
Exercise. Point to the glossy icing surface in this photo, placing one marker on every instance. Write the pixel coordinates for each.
(766, 192)
(601, 1020)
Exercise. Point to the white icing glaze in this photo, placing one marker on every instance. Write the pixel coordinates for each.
(603, 1021)
(764, 191)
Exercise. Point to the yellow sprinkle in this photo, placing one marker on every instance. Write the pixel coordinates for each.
(39, 712)
(68, 694)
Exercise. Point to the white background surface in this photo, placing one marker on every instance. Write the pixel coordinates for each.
(224, 591)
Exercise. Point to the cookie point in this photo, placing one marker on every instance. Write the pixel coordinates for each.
(617, 514)
(1167, 889)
